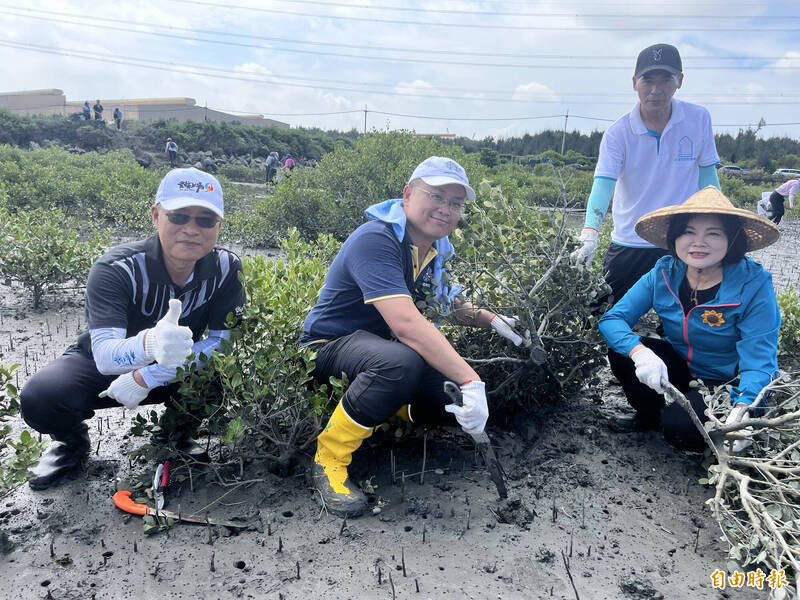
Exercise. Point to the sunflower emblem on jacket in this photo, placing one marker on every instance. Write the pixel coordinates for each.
(712, 318)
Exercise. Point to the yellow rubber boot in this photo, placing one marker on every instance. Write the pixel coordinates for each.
(403, 415)
(335, 446)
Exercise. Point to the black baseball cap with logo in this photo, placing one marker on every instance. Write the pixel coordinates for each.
(659, 57)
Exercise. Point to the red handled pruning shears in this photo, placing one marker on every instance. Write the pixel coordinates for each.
(160, 481)
(123, 501)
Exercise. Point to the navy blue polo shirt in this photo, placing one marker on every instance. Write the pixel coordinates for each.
(371, 265)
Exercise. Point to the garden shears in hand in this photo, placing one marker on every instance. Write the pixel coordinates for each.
(482, 443)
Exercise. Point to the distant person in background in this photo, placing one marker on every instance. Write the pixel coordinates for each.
(657, 155)
(87, 111)
(172, 151)
(786, 190)
(288, 165)
(118, 118)
(98, 111)
(272, 166)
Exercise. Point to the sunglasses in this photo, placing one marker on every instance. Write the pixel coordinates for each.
(181, 219)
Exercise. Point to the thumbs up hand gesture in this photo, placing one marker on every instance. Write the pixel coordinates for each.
(168, 343)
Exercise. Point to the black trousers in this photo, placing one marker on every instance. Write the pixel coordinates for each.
(776, 200)
(384, 375)
(650, 405)
(624, 266)
(64, 393)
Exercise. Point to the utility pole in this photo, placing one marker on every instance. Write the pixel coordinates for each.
(564, 134)
(365, 118)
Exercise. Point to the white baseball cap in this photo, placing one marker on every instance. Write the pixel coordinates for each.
(438, 170)
(190, 187)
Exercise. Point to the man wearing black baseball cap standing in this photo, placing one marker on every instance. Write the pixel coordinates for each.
(657, 155)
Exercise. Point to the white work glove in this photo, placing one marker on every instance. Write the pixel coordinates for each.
(740, 414)
(473, 414)
(506, 327)
(168, 343)
(585, 254)
(126, 391)
(650, 369)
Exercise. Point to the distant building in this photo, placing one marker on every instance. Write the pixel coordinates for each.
(54, 102)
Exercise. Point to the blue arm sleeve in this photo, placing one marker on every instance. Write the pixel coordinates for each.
(708, 176)
(155, 374)
(599, 199)
(616, 325)
(758, 345)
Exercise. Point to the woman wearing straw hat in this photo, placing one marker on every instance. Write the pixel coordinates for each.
(719, 312)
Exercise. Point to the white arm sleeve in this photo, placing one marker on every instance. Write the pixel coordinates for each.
(114, 354)
(155, 374)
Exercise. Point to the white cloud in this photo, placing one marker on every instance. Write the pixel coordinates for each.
(534, 91)
(790, 61)
(253, 68)
(417, 86)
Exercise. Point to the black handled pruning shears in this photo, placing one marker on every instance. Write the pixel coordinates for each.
(482, 443)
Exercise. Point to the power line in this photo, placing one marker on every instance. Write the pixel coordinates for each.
(218, 72)
(482, 25)
(659, 4)
(36, 14)
(390, 114)
(527, 96)
(425, 117)
(445, 11)
(383, 58)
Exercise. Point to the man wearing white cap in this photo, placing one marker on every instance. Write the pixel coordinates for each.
(148, 304)
(366, 324)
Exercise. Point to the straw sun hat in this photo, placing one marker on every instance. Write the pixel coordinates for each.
(760, 231)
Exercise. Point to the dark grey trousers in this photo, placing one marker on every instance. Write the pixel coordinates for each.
(384, 375)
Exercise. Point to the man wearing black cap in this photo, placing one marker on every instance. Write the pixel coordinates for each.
(657, 155)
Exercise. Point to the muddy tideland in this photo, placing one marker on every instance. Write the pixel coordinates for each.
(591, 514)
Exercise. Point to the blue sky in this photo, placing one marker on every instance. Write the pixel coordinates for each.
(478, 68)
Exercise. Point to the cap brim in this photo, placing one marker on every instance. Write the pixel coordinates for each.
(445, 180)
(667, 68)
(176, 203)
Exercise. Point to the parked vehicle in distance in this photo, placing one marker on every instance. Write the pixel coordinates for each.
(733, 170)
(578, 166)
(787, 173)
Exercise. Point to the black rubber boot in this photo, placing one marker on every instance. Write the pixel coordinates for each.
(633, 423)
(65, 456)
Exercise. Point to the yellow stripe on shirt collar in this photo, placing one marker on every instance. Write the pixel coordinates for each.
(428, 258)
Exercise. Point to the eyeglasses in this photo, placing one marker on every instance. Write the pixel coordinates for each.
(182, 219)
(440, 200)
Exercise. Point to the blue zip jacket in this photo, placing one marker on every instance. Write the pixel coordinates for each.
(735, 333)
